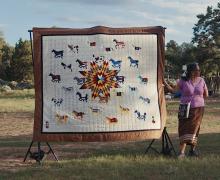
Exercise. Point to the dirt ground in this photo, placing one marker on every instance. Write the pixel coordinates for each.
(16, 124)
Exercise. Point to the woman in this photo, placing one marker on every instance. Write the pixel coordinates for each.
(193, 89)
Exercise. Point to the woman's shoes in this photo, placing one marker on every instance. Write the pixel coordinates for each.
(193, 153)
(181, 156)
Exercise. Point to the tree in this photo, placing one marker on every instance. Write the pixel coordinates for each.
(2, 43)
(177, 56)
(21, 65)
(7, 52)
(207, 39)
(172, 56)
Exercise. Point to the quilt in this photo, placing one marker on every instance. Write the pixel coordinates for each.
(98, 82)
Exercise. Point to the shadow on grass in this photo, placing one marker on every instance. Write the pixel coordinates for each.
(208, 144)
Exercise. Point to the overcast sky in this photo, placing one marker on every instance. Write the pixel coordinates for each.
(178, 16)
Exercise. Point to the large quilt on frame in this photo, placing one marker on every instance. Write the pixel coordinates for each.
(98, 84)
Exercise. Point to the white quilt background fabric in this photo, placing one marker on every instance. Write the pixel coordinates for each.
(132, 106)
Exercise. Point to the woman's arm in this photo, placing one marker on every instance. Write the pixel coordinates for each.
(205, 89)
(170, 88)
(206, 92)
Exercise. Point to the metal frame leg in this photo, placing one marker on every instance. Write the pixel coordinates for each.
(51, 150)
(28, 151)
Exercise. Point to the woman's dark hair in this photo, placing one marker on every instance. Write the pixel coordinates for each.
(190, 68)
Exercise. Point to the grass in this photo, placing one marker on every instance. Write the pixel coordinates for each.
(123, 167)
(18, 94)
(116, 160)
(17, 101)
(103, 160)
(16, 105)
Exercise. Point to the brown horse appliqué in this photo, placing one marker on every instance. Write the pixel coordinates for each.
(78, 115)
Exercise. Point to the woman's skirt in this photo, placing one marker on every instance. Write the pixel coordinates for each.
(189, 128)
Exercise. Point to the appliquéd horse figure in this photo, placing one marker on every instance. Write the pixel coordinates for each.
(145, 99)
(98, 58)
(80, 81)
(136, 48)
(124, 109)
(139, 116)
(55, 78)
(67, 66)
(133, 62)
(118, 44)
(144, 80)
(116, 63)
(58, 54)
(78, 115)
(62, 118)
(112, 120)
(120, 79)
(57, 102)
(82, 64)
(73, 48)
(82, 98)
(67, 89)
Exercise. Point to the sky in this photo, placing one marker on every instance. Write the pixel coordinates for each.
(178, 16)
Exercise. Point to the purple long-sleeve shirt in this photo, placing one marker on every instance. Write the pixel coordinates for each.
(193, 92)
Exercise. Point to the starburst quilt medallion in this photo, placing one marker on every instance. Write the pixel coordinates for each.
(100, 79)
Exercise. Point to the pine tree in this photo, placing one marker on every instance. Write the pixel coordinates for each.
(207, 38)
(7, 53)
(21, 65)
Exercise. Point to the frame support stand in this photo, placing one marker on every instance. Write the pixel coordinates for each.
(167, 145)
(39, 155)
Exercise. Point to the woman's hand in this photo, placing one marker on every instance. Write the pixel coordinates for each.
(168, 87)
(171, 88)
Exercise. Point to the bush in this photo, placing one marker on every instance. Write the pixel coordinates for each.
(12, 84)
(24, 85)
(5, 88)
(2, 82)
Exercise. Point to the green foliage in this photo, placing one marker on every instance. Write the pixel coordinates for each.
(21, 65)
(16, 62)
(204, 49)
(207, 38)
(7, 53)
(177, 56)
(2, 43)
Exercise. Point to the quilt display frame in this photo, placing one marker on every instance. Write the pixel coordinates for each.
(98, 84)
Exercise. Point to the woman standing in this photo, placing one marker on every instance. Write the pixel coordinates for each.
(193, 89)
